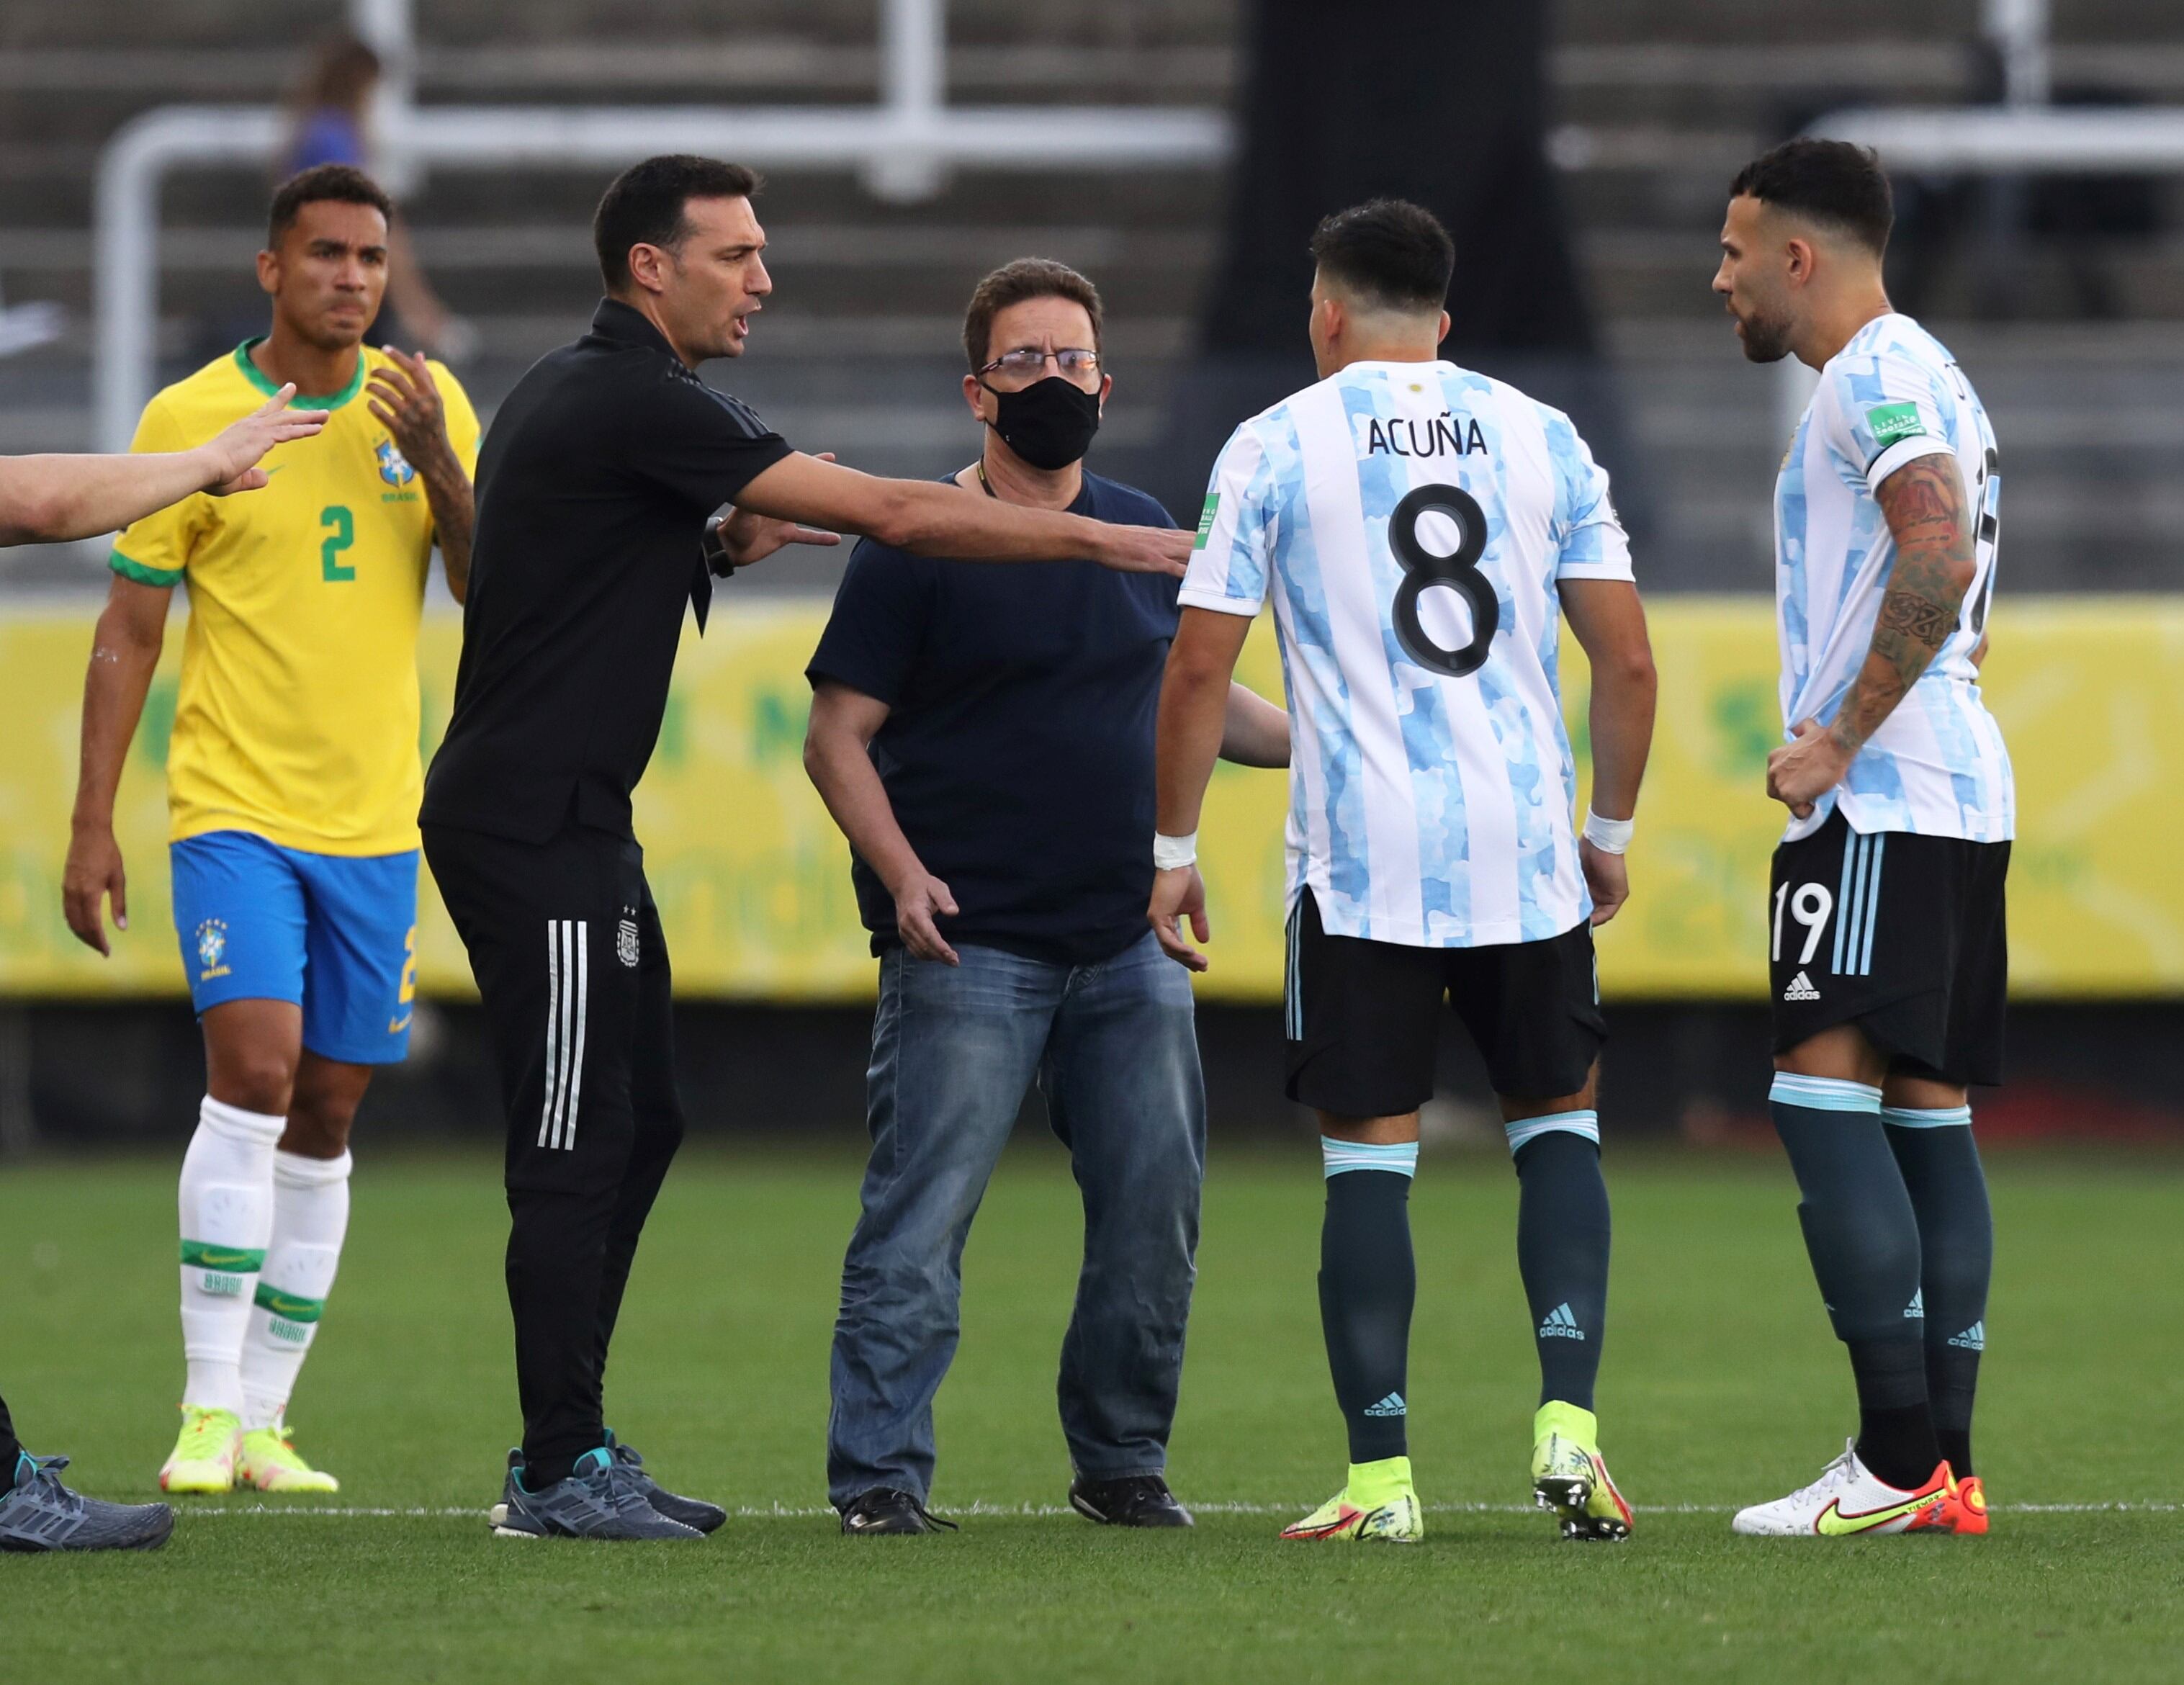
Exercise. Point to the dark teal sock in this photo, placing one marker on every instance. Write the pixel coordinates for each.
(1942, 1171)
(1368, 1281)
(1862, 1237)
(1562, 1253)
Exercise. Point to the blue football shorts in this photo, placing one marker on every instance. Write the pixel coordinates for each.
(335, 934)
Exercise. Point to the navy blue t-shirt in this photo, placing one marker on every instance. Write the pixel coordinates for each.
(1018, 755)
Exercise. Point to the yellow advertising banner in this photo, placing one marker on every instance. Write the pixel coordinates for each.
(753, 882)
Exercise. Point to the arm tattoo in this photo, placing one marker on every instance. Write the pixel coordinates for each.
(1924, 503)
(1923, 621)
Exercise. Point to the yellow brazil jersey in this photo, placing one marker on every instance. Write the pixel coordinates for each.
(296, 719)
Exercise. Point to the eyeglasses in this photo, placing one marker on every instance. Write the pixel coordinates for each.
(1028, 363)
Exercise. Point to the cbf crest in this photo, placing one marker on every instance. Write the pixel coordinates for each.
(393, 467)
(626, 939)
(212, 949)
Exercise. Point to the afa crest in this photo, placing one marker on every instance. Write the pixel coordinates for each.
(393, 467)
(626, 942)
(212, 949)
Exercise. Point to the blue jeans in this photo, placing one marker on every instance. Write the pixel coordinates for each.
(1115, 1052)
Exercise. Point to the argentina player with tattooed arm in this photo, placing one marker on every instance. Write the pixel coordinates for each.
(1889, 962)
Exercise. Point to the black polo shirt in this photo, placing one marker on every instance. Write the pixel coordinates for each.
(1017, 754)
(594, 486)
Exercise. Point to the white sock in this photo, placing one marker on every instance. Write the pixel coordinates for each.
(226, 1206)
(310, 1216)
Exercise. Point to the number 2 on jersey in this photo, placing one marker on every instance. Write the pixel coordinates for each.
(1459, 570)
(341, 534)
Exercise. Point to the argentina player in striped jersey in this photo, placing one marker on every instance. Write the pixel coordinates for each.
(1888, 958)
(1421, 531)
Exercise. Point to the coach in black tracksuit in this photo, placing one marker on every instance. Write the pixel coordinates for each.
(595, 484)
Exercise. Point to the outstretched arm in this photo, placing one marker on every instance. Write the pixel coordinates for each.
(927, 518)
(1923, 504)
(1194, 708)
(1254, 732)
(47, 499)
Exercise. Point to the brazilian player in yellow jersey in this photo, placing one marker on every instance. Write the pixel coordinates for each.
(293, 785)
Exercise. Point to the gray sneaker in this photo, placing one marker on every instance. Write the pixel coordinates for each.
(599, 1500)
(691, 1512)
(38, 1513)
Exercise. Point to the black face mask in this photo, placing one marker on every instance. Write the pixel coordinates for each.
(1049, 423)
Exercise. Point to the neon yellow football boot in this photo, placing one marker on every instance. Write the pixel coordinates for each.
(1377, 1505)
(268, 1460)
(1570, 1478)
(204, 1458)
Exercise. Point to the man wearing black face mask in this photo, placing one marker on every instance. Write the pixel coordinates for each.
(984, 738)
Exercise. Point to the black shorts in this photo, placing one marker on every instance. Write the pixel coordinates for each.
(1899, 935)
(1362, 1018)
(572, 972)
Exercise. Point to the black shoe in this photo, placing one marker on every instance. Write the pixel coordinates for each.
(38, 1513)
(1133, 1501)
(885, 1510)
(598, 1500)
(691, 1512)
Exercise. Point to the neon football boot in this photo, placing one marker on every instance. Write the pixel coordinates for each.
(1571, 1477)
(268, 1460)
(204, 1457)
(1378, 1504)
(1964, 1514)
(1850, 1501)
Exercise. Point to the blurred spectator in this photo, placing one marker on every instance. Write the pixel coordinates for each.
(330, 123)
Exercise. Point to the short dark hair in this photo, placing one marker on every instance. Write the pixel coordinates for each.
(1394, 254)
(1012, 284)
(1831, 181)
(340, 182)
(647, 205)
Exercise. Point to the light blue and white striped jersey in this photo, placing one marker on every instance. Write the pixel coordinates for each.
(1937, 765)
(1412, 522)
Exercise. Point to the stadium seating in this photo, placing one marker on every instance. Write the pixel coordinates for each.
(1656, 111)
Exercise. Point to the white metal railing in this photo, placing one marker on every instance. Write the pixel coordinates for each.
(903, 147)
(2023, 135)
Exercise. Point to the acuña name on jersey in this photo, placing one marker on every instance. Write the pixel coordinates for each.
(1936, 765)
(1412, 523)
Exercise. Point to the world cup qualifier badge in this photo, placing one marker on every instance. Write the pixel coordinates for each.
(393, 467)
(212, 949)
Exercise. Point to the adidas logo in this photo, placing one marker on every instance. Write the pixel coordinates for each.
(1917, 1307)
(1392, 1405)
(1561, 1326)
(1801, 988)
(1973, 1339)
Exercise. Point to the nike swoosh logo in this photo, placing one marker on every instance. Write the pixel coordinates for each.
(396, 1026)
(1832, 1523)
(210, 1260)
(1343, 1517)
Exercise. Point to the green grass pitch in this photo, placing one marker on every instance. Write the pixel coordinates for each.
(1721, 1386)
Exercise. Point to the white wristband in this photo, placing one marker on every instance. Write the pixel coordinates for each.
(1170, 852)
(1609, 836)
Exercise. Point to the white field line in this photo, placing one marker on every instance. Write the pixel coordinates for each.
(981, 1507)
